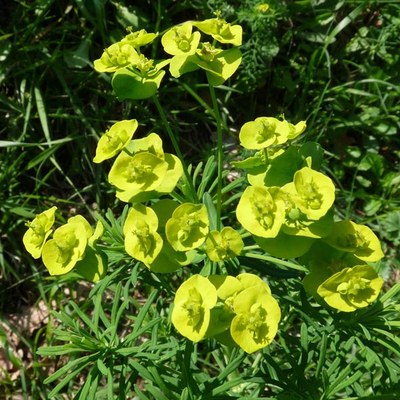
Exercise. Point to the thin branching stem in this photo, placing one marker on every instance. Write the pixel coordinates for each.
(220, 155)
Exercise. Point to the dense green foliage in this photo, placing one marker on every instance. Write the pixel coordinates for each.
(334, 64)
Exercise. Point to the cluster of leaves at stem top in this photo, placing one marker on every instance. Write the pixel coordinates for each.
(287, 206)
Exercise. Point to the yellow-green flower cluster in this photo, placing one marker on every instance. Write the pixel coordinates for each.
(285, 198)
(70, 246)
(141, 170)
(341, 274)
(288, 210)
(189, 53)
(287, 206)
(168, 235)
(137, 77)
(234, 310)
(134, 75)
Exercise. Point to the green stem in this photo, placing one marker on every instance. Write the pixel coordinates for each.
(220, 154)
(178, 152)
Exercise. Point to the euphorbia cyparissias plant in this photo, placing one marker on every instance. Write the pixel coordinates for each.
(286, 210)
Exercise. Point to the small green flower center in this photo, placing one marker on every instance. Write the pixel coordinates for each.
(222, 248)
(142, 232)
(294, 214)
(137, 172)
(184, 44)
(65, 242)
(222, 27)
(208, 51)
(353, 286)
(311, 196)
(118, 55)
(256, 323)
(187, 223)
(193, 308)
(115, 141)
(348, 241)
(145, 65)
(265, 130)
(264, 211)
(132, 35)
(182, 40)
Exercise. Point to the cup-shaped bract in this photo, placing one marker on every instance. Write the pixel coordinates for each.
(169, 260)
(297, 223)
(39, 229)
(356, 239)
(98, 232)
(285, 246)
(227, 287)
(139, 38)
(224, 245)
(257, 317)
(248, 280)
(351, 288)
(115, 139)
(261, 211)
(61, 253)
(140, 82)
(312, 192)
(221, 30)
(152, 143)
(173, 174)
(93, 266)
(141, 172)
(80, 219)
(192, 304)
(222, 314)
(267, 131)
(142, 241)
(158, 172)
(180, 41)
(188, 227)
(118, 55)
(219, 64)
(258, 134)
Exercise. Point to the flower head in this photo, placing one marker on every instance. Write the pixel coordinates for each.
(351, 288)
(61, 253)
(223, 245)
(115, 139)
(356, 239)
(179, 40)
(267, 131)
(38, 231)
(312, 192)
(139, 38)
(188, 227)
(221, 30)
(257, 315)
(192, 304)
(261, 211)
(118, 55)
(143, 170)
(141, 238)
